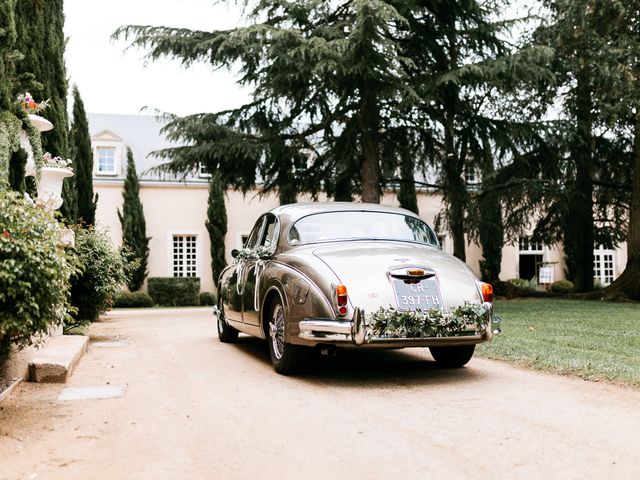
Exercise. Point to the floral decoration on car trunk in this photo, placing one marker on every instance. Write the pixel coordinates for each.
(392, 323)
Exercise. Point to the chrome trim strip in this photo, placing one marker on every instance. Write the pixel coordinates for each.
(310, 326)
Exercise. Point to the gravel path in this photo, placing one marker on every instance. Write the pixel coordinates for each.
(199, 409)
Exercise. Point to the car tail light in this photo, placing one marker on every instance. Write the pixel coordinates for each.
(487, 292)
(342, 299)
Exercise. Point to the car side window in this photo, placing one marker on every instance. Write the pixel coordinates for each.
(253, 236)
(267, 239)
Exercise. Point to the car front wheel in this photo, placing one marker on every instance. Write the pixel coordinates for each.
(452, 357)
(286, 358)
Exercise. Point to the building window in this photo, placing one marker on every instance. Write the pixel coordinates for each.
(530, 258)
(106, 160)
(184, 255)
(603, 266)
(472, 175)
(526, 245)
(203, 171)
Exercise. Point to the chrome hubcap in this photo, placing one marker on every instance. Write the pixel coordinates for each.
(276, 331)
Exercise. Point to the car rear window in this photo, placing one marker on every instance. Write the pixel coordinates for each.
(332, 226)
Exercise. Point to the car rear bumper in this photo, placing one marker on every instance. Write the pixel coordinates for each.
(355, 333)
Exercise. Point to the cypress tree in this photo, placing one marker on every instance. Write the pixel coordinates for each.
(134, 228)
(216, 225)
(40, 38)
(80, 143)
(7, 41)
(17, 171)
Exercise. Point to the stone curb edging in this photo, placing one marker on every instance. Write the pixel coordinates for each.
(55, 363)
(4, 395)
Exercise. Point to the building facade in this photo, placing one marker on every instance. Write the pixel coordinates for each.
(176, 209)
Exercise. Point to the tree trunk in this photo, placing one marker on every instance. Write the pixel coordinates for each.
(287, 191)
(628, 284)
(579, 234)
(491, 230)
(407, 193)
(454, 192)
(370, 171)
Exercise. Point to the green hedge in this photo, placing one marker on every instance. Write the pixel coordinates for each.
(174, 291)
(133, 300)
(207, 298)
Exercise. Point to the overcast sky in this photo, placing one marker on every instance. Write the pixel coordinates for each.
(113, 81)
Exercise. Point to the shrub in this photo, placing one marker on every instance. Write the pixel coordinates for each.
(523, 284)
(562, 286)
(34, 271)
(207, 298)
(104, 272)
(174, 291)
(519, 287)
(133, 300)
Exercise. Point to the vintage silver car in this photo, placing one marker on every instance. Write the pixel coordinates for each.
(351, 275)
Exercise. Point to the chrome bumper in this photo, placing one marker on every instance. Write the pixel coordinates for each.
(355, 332)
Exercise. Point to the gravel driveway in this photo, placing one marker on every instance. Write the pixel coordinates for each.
(199, 409)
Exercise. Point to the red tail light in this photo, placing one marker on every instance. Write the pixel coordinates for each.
(487, 292)
(342, 299)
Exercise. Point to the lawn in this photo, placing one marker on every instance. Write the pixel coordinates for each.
(591, 339)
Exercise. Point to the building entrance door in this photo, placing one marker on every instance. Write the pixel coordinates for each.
(529, 266)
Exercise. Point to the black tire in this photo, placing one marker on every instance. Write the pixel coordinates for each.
(286, 359)
(452, 357)
(226, 333)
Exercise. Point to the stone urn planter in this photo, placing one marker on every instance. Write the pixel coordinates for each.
(50, 186)
(43, 125)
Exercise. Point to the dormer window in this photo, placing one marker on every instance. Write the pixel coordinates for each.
(107, 154)
(106, 160)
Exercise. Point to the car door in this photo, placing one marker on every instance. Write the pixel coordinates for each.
(232, 289)
(253, 268)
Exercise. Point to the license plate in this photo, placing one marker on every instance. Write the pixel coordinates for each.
(424, 295)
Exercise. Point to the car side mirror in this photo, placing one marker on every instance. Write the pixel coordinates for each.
(235, 253)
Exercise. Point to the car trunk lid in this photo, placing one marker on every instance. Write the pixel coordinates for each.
(365, 267)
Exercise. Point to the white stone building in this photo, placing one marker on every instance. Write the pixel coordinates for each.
(176, 209)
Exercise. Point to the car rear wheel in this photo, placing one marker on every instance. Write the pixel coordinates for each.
(452, 357)
(286, 358)
(226, 333)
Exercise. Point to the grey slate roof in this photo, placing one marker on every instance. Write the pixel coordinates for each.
(142, 134)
